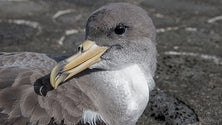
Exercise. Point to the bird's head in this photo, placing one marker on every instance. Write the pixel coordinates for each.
(117, 35)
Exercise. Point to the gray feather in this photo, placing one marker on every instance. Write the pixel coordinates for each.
(18, 73)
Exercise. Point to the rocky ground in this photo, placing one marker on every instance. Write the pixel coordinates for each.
(189, 35)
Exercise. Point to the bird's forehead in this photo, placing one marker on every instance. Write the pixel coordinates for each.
(114, 14)
(101, 17)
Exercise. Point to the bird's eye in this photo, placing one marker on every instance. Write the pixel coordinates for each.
(120, 29)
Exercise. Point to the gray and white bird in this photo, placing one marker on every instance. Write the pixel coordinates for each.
(109, 78)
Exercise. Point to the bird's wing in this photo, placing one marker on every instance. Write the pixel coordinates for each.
(18, 99)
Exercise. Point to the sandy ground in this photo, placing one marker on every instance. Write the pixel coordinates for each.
(189, 35)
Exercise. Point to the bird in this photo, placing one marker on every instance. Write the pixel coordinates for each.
(109, 78)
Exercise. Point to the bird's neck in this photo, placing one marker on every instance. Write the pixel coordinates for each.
(120, 96)
(149, 71)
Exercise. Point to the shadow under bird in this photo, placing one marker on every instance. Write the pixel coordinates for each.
(109, 78)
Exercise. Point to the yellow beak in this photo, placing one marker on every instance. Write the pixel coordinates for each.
(89, 54)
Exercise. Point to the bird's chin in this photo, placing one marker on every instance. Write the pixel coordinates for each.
(106, 65)
(100, 65)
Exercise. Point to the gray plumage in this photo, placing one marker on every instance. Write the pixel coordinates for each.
(94, 91)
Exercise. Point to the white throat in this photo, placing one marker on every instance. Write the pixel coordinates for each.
(120, 96)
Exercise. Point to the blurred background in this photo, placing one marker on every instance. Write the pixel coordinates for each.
(189, 37)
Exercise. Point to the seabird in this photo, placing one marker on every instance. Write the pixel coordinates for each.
(109, 78)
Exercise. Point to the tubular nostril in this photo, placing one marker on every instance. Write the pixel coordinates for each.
(80, 48)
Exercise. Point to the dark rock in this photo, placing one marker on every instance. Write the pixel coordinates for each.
(14, 34)
(170, 110)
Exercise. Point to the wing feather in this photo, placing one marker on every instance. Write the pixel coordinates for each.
(18, 73)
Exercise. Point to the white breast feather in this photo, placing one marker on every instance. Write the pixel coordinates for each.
(138, 79)
(90, 117)
(136, 87)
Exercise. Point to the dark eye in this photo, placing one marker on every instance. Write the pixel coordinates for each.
(120, 29)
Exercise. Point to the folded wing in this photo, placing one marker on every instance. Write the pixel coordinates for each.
(18, 100)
